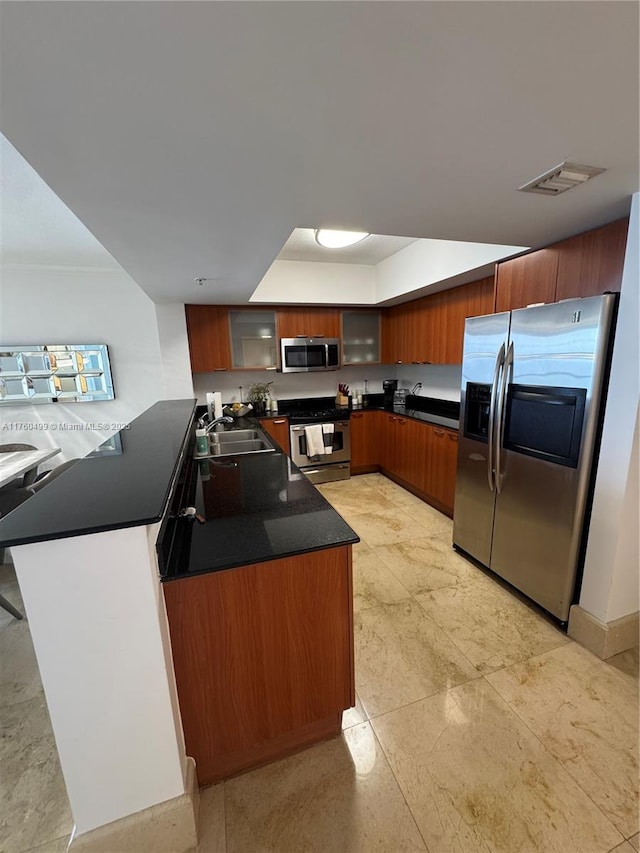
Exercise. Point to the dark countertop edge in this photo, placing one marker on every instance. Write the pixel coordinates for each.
(422, 417)
(238, 564)
(142, 521)
(73, 534)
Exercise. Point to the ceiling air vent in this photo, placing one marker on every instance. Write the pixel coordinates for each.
(560, 179)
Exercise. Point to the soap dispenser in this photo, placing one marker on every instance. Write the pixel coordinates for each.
(202, 442)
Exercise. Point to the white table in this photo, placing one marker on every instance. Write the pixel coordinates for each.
(17, 462)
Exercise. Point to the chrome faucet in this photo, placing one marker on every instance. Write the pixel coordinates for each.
(225, 419)
(416, 388)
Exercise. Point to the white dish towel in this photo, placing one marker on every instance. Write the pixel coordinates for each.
(315, 441)
(327, 432)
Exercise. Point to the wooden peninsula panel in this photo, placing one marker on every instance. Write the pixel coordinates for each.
(263, 657)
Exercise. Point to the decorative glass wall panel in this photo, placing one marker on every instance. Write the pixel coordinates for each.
(73, 373)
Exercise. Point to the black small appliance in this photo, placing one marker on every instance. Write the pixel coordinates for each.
(388, 387)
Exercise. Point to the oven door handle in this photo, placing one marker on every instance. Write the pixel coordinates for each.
(322, 470)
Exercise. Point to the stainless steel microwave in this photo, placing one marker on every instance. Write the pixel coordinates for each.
(301, 355)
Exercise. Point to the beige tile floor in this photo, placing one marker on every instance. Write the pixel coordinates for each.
(478, 727)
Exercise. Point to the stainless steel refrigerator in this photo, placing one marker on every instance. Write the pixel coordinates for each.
(531, 399)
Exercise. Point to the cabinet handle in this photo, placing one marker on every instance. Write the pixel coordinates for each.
(453, 436)
(281, 421)
(392, 418)
(218, 369)
(356, 414)
(401, 421)
(438, 432)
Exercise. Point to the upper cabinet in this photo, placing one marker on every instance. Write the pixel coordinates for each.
(308, 322)
(208, 333)
(527, 279)
(430, 330)
(591, 263)
(585, 265)
(360, 337)
(468, 300)
(253, 338)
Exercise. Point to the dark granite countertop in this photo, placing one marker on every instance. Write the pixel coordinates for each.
(125, 482)
(426, 417)
(429, 410)
(255, 508)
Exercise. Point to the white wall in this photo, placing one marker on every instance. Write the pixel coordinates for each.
(288, 385)
(610, 586)
(98, 623)
(40, 305)
(426, 262)
(174, 350)
(317, 282)
(438, 380)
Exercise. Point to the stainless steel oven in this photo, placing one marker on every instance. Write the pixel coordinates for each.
(325, 467)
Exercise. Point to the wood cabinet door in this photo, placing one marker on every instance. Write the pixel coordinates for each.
(411, 456)
(323, 322)
(388, 336)
(291, 322)
(208, 335)
(421, 331)
(308, 322)
(393, 346)
(278, 429)
(390, 449)
(443, 459)
(469, 300)
(262, 654)
(526, 280)
(591, 263)
(366, 442)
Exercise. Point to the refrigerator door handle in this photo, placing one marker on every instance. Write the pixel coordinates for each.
(492, 416)
(508, 367)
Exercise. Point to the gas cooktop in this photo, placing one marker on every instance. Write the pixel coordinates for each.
(312, 410)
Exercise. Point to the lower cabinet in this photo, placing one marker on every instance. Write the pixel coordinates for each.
(442, 455)
(367, 441)
(263, 656)
(406, 450)
(420, 456)
(278, 429)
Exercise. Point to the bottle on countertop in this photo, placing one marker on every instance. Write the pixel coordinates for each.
(202, 442)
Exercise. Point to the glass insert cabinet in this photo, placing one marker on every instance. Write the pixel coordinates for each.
(253, 338)
(360, 337)
(72, 373)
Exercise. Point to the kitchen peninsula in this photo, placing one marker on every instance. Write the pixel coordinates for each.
(282, 662)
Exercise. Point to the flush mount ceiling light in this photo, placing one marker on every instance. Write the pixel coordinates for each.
(333, 239)
(561, 178)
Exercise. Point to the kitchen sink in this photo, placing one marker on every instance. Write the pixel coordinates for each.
(236, 441)
(233, 435)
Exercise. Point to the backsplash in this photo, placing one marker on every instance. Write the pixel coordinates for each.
(438, 380)
(441, 381)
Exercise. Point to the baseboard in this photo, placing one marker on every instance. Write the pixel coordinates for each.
(424, 496)
(604, 639)
(169, 827)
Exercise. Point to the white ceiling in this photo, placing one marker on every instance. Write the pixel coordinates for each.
(35, 227)
(192, 138)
